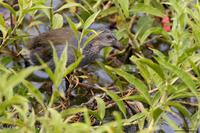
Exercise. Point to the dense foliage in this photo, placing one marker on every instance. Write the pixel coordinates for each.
(155, 86)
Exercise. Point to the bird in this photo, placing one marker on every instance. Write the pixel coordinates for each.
(40, 46)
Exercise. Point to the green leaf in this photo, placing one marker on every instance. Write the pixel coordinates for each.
(90, 38)
(136, 98)
(34, 91)
(4, 69)
(20, 76)
(107, 51)
(143, 24)
(140, 86)
(69, 5)
(4, 31)
(72, 66)
(181, 109)
(3, 28)
(186, 78)
(145, 72)
(57, 21)
(6, 60)
(146, 9)
(34, 23)
(101, 107)
(2, 21)
(55, 56)
(155, 67)
(124, 4)
(150, 31)
(57, 120)
(90, 20)
(159, 54)
(25, 4)
(157, 112)
(181, 95)
(95, 114)
(10, 79)
(12, 101)
(118, 119)
(135, 117)
(73, 27)
(60, 66)
(35, 8)
(87, 117)
(72, 111)
(8, 7)
(117, 99)
(47, 69)
(11, 130)
(107, 12)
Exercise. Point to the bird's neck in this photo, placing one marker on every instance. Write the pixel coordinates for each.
(90, 52)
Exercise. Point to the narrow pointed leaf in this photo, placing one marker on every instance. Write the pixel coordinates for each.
(101, 107)
(140, 86)
(90, 20)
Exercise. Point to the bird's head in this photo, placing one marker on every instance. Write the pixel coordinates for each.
(106, 38)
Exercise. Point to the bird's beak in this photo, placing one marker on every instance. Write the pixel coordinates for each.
(117, 45)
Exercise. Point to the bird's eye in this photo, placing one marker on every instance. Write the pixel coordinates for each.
(109, 37)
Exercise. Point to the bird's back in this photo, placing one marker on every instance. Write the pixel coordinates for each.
(40, 45)
(57, 37)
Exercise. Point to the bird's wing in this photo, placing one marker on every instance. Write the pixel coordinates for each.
(56, 37)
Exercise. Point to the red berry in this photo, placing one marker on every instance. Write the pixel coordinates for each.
(165, 20)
